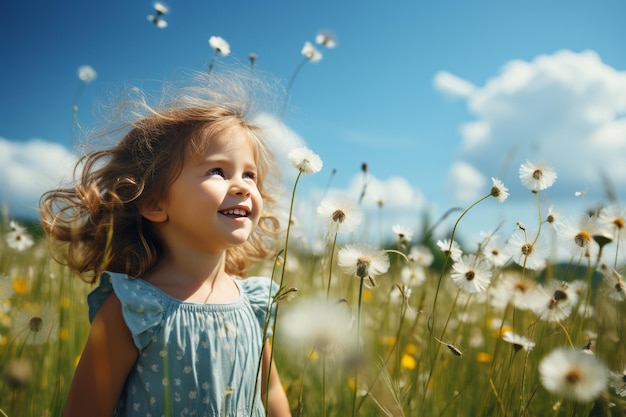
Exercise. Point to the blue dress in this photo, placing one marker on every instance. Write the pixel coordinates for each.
(194, 359)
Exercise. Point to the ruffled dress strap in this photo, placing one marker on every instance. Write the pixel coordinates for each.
(142, 305)
(260, 292)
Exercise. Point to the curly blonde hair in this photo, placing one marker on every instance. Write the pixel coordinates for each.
(97, 220)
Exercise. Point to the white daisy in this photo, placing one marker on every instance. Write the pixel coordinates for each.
(554, 302)
(305, 160)
(451, 249)
(617, 381)
(518, 341)
(18, 238)
(536, 176)
(471, 273)
(527, 253)
(573, 374)
(421, 255)
(498, 190)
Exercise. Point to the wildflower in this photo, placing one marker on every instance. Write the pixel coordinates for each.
(18, 373)
(579, 236)
(553, 303)
(617, 381)
(536, 176)
(159, 10)
(403, 234)
(305, 160)
(18, 238)
(526, 253)
(471, 273)
(86, 73)
(421, 255)
(6, 289)
(511, 289)
(340, 215)
(311, 53)
(450, 248)
(495, 252)
(318, 323)
(220, 45)
(326, 39)
(408, 362)
(573, 374)
(518, 341)
(613, 284)
(38, 327)
(614, 221)
(554, 218)
(498, 190)
(363, 262)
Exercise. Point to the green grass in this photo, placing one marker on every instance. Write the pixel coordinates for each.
(407, 366)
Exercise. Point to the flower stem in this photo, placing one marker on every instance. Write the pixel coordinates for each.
(358, 339)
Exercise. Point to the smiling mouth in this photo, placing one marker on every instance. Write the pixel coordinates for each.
(236, 212)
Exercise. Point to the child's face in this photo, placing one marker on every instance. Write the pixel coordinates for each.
(214, 203)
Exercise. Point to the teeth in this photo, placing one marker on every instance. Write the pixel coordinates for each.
(235, 211)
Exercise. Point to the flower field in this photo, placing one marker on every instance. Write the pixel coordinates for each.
(416, 327)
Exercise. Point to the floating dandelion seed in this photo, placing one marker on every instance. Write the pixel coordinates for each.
(252, 58)
(220, 46)
(159, 10)
(471, 273)
(339, 215)
(498, 190)
(311, 53)
(536, 176)
(326, 39)
(305, 160)
(363, 261)
(573, 374)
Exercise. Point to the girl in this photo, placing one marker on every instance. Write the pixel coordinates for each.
(168, 219)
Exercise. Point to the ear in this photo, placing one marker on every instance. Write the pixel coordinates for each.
(155, 213)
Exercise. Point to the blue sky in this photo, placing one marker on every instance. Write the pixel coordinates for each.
(437, 97)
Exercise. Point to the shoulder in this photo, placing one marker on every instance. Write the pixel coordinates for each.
(254, 288)
(139, 304)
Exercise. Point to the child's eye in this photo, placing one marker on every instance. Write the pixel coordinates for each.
(250, 175)
(216, 171)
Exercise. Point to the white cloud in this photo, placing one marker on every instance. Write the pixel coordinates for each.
(28, 169)
(567, 108)
(281, 139)
(452, 85)
(465, 182)
(401, 204)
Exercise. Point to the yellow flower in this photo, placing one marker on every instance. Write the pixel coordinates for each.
(410, 349)
(21, 286)
(64, 334)
(483, 357)
(408, 362)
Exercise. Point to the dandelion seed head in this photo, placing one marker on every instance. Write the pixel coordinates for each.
(536, 176)
(326, 39)
(339, 215)
(35, 324)
(86, 73)
(305, 160)
(573, 374)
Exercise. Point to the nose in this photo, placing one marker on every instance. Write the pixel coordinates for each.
(240, 187)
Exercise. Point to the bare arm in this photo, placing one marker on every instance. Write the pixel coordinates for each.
(277, 402)
(107, 358)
